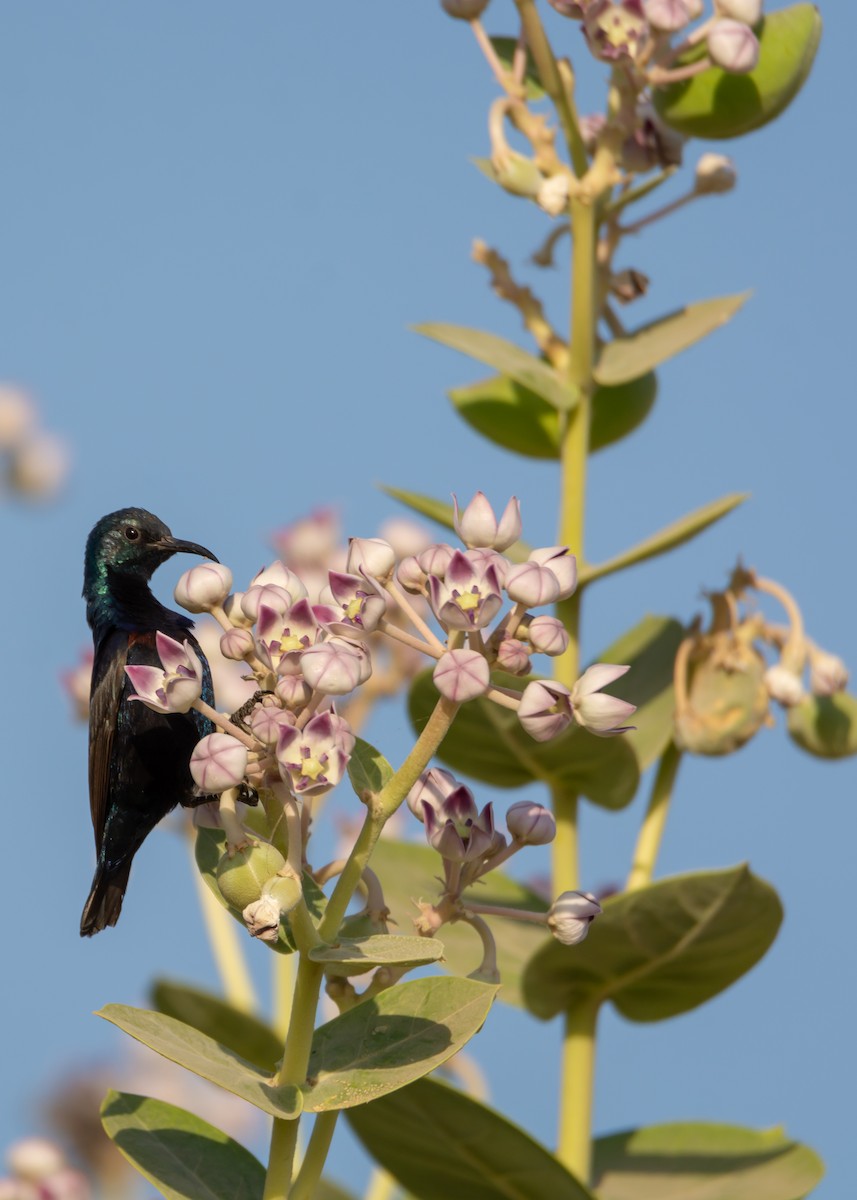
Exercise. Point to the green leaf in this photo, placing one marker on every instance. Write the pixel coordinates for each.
(202, 1055)
(508, 359)
(368, 769)
(327, 1190)
(649, 649)
(825, 726)
(630, 357)
(665, 539)
(356, 956)
(488, 742)
(240, 1031)
(505, 48)
(396, 1037)
(514, 417)
(409, 873)
(447, 1146)
(661, 950)
(702, 1161)
(183, 1156)
(716, 105)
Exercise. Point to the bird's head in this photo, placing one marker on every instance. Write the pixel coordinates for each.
(131, 542)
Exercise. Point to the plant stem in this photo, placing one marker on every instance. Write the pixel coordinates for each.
(565, 850)
(382, 1186)
(652, 829)
(317, 1149)
(578, 1071)
(551, 80)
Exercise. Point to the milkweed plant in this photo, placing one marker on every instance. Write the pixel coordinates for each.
(412, 938)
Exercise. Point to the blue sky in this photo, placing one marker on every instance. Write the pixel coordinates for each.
(217, 225)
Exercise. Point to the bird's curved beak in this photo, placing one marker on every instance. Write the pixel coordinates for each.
(175, 546)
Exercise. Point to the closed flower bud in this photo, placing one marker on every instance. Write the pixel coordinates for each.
(546, 635)
(518, 174)
(34, 1159)
(462, 675)
(432, 787)
(827, 672)
(262, 918)
(545, 709)
(667, 15)
(270, 594)
(598, 713)
(17, 416)
(733, 46)
(285, 890)
(236, 644)
(464, 10)
(218, 762)
(570, 916)
(746, 11)
(38, 466)
(531, 823)
(267, 721)
(532, 585)
(436, 559)
(370, 556)
(241, 876)
(715, 173)
(293, 691)
(478, 527)
(411, 575)
(204, 587)
(235, 613)
(784, 686)
(561, 564)
(512, 656)
(336, 667)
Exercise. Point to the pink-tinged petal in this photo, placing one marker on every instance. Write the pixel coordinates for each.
(436, 559)
(448, 842)
(331, 669)
(531, 823)
(459, 806)
(483, 559)
(598, 676)
(411, 575)
(342, 732)
(509, 529)
(512, 656)
(570, 916)
(477, 525)
(533, 585)
(460, 573)
(547, 635)
(462, 675)
(373, 556)
(325, 614)
(270, 594)
(432, 787)
(171, 653)
(545, 710)
(480, 843)
(561, 564)
(146, 680)
(269, 623)
(603, 714)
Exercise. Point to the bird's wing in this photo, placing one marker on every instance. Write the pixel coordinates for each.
(108, 680)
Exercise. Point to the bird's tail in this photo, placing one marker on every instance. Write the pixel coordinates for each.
(105, 900)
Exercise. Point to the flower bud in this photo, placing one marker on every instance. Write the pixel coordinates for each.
(203, 587)
(411, 575)
(218, 762)
(746, 11)
(546, 635)
(236, 644)
(235, 613)
(285, 890)
(432, 787)
(370, 556)
(17, 416)
(570, 916)
(462, 675)
(293, 691)
(561, 564)
(715, 173)
(266, 722)
(784, 686)
(262, 918)
(336, 666)
(545, 709)
(241, 876)
(600, 714)
(668, 16)
(436, 559)
(531, 823)
(727, 701)
(733, 46)
(464, 10)
(517, 174)
(270, 594)
(34, 1159)
(512, 656)
(531, 584)
(827, 672)
(38, 466)
(478, 527)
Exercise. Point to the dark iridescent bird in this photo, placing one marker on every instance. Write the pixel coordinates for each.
(138, 759)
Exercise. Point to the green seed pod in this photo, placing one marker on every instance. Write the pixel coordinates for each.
(242, 876)
(519, 175)
(285, 889)
(825, 726)
(726, 701)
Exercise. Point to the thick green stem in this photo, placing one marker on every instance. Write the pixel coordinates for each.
(307, 1178)
(578, 1070)
(652, 829)
(565, 849)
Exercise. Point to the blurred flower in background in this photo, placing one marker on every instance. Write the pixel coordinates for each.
(33, 462)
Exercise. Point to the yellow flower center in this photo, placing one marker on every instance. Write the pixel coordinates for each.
(312, 767)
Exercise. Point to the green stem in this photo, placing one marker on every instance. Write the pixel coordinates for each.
(578, 1070)
(549, 74)
(652, 830)
(565, 849)
(382, 1186)
(307, 1178)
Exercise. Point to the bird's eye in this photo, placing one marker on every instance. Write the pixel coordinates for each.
(131, 533)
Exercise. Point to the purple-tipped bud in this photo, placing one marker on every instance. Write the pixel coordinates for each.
(545, 709)
(177, 687)
(464, 10)
(370, 556)
(432, 787)
(459, 832)
(218, 762)
(733, 46)
(236, 644)
(561, 564)
(512, 656)
(336, 667)
(204, 587)
(462, 675)
(530, 823)
(267, 721)
(436, 559)
(668, 16)
(411, 575)
(477, 526)
(784, 686)
(746, 11)
(547, 635)
(600, 714)
(235, 613)
(533, 585)
(715, 173)
(293, 691)
(570, 916)
(827, 672)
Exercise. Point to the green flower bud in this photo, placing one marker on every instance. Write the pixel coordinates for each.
(285, 889)
(241, 876)
(518, 175)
